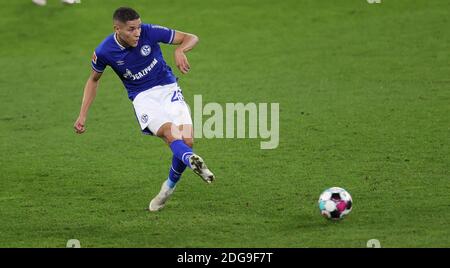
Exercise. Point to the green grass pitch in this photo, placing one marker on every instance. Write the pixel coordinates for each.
(364, 94)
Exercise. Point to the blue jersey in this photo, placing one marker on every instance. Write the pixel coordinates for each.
(140, 68)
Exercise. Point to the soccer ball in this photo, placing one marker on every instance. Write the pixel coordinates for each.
(335, 203)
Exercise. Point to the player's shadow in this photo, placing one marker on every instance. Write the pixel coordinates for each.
(311, 221)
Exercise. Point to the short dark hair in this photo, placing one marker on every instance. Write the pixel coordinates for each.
(124, 14)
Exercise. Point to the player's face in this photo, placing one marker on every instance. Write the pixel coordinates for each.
(128, 32)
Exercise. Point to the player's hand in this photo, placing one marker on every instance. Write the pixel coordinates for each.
(79, 125)
(182, 62)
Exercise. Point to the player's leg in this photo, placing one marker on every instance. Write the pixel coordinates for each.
(173, 136)
(150, 116)
(178, 111)
(196, 162)
(176, 170)
(177, 132)
(187, 133)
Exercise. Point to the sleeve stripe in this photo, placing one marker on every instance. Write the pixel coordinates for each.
(95, 69)
(172, 36)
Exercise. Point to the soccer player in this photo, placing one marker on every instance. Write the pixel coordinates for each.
(133, 52)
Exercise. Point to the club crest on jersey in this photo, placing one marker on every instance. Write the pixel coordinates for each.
(144, 118)
(146, 50)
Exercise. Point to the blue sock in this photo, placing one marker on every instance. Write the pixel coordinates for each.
(175, 172)
(181, 151)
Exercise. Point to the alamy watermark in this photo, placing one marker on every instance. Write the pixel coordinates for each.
(229, 121)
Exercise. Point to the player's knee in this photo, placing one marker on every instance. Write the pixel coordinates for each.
(189, 142)
(169, 133)
(170, 138)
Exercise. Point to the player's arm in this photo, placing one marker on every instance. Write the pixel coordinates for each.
(185, 42)
(90, 90)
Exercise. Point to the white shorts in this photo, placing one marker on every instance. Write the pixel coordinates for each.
(159, 105)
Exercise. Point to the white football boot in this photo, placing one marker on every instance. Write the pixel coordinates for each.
(161, 198)
(199, 167)
(40, 2)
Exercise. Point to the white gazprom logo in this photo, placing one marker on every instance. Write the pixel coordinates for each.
(146, 50)
(129, 75)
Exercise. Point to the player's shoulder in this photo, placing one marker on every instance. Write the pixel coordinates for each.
(156, 26)
(155, 33)
(153, 27)
(106, 46)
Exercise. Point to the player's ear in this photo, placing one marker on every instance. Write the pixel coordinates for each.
(116, 26)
